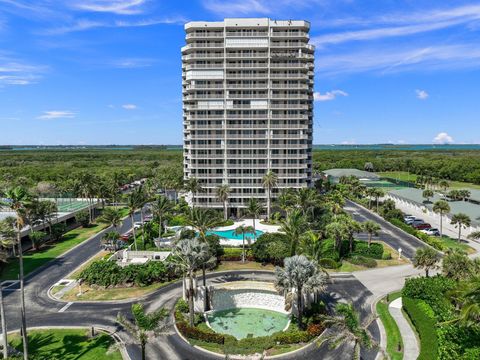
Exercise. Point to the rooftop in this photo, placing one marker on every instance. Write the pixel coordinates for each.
(360, 174)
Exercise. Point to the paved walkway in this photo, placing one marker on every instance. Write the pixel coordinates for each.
(410, 342)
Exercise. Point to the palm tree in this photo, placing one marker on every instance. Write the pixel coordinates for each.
(348, 329)
(372, 229)
(285, 200)
(36, 238)
(427, 194)
(474, 235)
(269, 181)
(160, 208)
(298, 275)
(254, 209)
(310, 243)
(444, 185)
(441, 207)
(464, 194)
(242, 229)
(134, 202)
(377, 194)
(460, 220)
(223, 191)
(294, 226)
(338, 231)
(468, 298)
(111, 217)
(189, 255)
(144, 326)
(456, 265)
(194, 186)
(17, 200)
(5, 243)
(370, 192)
(426, 258)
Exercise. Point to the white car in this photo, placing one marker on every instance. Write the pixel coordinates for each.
(137, 225)
(431, 232)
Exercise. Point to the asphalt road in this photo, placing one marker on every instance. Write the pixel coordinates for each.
(389, 233)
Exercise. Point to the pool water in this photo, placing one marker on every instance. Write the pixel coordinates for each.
(230, 234)
(247, 322)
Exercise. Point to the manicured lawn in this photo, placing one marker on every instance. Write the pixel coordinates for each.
(454, 244)
(404, 176)
(33, 260)
(68, 344)
(394, 339)
(238, 265)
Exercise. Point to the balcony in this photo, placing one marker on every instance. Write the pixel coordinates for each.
(204, 35)
(286, 44)
(203, 96)
(247, 116)
(198, 56)
(290, 116)
(247, 34)
(290, 34)
(206, 116)
(290, 106)
(298, 75)
(247, 66)
(247, 76)
(247, 96)
(290, 86)
(197, 86)
(246, 55)
(203, 66)
(208, 45)
(246, 86)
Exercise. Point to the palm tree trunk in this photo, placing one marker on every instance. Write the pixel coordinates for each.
(160, 232)
(225, 210)
(299, 308)
(22, 295)
(190, 299)
(369, 239)
(243, 247)
(143, 230)
(441, 224)
(143, 345)
(4, 325)
(459, 232)
(268, 204)
(426, 272)
(133, 229)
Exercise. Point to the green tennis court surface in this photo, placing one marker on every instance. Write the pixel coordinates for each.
(71, 205)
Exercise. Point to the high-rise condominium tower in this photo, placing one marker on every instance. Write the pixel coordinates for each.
(248, 106)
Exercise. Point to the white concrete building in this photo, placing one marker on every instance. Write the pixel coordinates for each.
(248, 106)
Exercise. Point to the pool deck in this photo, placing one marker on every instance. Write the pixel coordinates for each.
(249, 222)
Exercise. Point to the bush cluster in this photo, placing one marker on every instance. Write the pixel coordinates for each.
(271, 247)
(430, 240)
(198, 334)
(361, 248)
(328, 263)
(363, 261)
(108, 273)
(425, 326)
(235, 254)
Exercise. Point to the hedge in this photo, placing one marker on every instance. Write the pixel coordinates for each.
(425, 327)
(328, 263)
(430, 240)
(235, 254)
(197, 334)
(363, 261)
(361, 248)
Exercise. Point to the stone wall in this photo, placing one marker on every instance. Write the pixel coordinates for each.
(223, 299)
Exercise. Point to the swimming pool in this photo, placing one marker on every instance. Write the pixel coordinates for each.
(230, 234)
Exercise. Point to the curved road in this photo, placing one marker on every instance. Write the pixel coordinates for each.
(43, 311)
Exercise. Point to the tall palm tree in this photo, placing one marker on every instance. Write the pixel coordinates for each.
(160, 208)
(134, 203)
(377, 194)
(337, 231)
(468, 299)
(460, 220)
(441, 207)
(427, 194)
(305, 199)
(144, 326)
(223, 192)
(242, 230)
(311, 245)
(6, 241)
(18, 200)
(426, 258)
(285, 200)
(298, 275)
(254, 209)
(444, 185)
(372, 229)
(474, 235)
(352, 227)
(111, 217)
(269, 181)
(349, 329)
(294, 226)
(194, 186)
(189, 255)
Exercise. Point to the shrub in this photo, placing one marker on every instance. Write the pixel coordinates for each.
(327, 250)
(292, 337)
(361, 248)
(177, 220)
(214, 246)
(328, 263)
(248, 345)
(430, 240)
(58, 230)
(182, 306)
(83, 218)
(425, 327)
(197, 334)
(363, 261)
(315, 330)
(260, 249)
(235, 254)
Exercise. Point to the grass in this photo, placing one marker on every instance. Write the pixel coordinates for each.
(94, 293)
(454, 244)
(33, 260)
(238, 265)
(68, 344)
(394, 338)
(405, 176)
(76, 273)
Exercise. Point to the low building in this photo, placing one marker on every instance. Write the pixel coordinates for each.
(334, 175)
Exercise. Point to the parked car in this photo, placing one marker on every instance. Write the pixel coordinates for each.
(137, 225)
(431, 232)
(408, 218)
(127, 236)
(422, 226)
(416, 222)
(148, 218)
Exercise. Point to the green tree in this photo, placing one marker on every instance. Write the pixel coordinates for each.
(161, 207)
(294, 226)
(36, 237)
(83, 218)
(297, 276)
(427, 194)
(269, 181)
(112, 217)
(6, 242)
(223, 192)
(337, 231)
(468, 298)
(242, 230)
(306, 199)
(474, 235)
(349, 329)
(377, 194)
(426, 258)
(441, 207)
(254, 209)
(372, 229)
(444, 185)
(135, 202)
(194, 186)
(144, 325)
(456, 265)
(460, 220)
(18, 199)
(189, 255)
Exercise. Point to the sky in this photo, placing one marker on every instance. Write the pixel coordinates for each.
(89, 72)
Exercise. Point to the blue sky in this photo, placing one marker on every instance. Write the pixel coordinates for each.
(109, 71)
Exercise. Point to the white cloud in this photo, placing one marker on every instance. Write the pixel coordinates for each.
(129, 106)
(422, 94)
(329, 95)
(348, 142)
(132, 63)
(16, 72)
(120, 7)
(443, 138)
(57, 114)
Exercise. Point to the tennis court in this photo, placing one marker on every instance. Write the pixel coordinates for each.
(67, 205)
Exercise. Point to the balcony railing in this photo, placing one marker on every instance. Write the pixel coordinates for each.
(193, 35)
